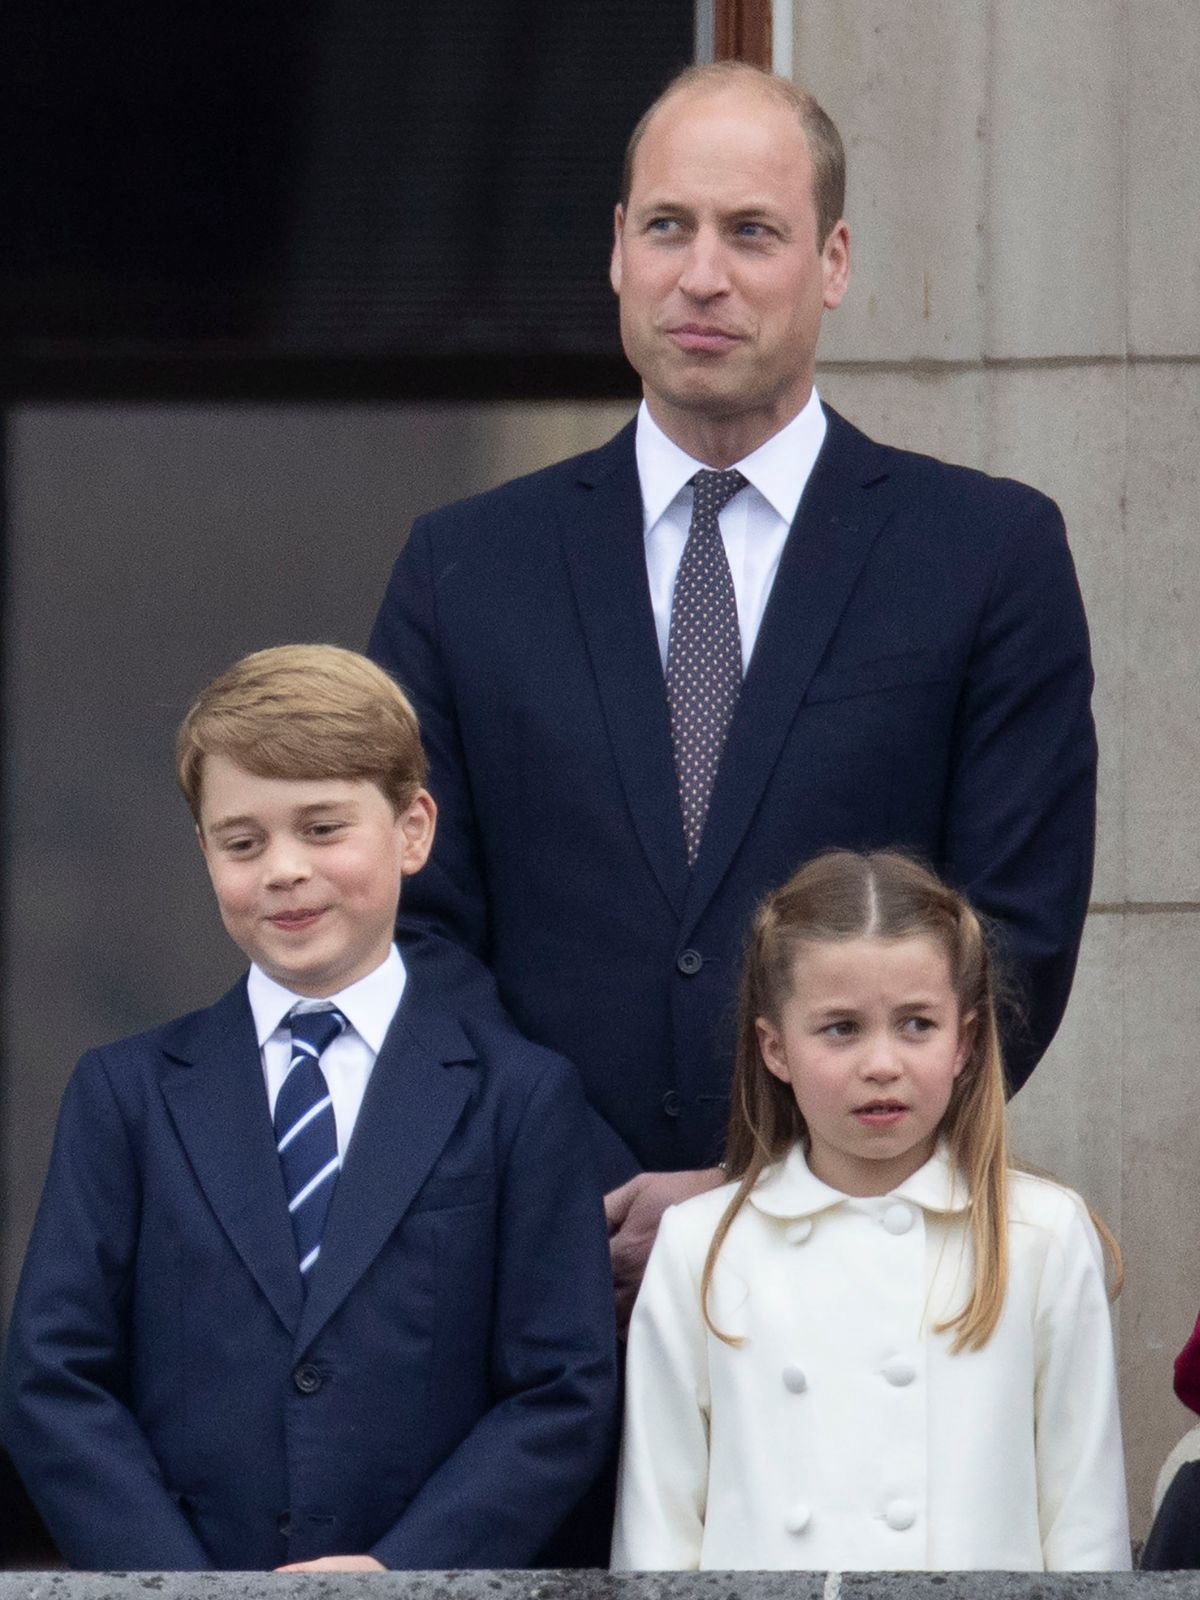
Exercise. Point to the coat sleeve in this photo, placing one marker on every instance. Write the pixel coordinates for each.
(1082, 1506)
(495, 1501)
(663, 1480)
(444, 907)
(1021, 807)
(68, 1422)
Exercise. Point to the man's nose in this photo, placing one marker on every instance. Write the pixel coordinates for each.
(705, 269)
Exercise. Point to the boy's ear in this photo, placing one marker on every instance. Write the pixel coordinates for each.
(417, 826)
(200, 841)
(770, 1047)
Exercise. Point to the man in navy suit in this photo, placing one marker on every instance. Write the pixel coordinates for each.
(914, 656)
(406, 1359)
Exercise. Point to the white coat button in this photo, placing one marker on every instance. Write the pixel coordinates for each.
(794, 1379)
(900, 1514)
(899, 1370)
(898, 1218)
(798, 1232)
(797, 1519)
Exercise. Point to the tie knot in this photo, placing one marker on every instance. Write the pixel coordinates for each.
(712, 491)
(314, 1031)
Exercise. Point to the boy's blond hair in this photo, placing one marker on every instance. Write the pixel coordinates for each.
(304, 711)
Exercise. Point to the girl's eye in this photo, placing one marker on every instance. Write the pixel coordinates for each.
(839, 1030)
(918, 1024)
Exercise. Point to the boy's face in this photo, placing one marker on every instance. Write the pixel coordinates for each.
(307, 870)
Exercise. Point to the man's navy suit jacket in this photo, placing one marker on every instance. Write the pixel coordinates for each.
(921, 679)
(441, 1397)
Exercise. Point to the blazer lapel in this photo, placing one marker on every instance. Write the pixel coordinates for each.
(218, 1102)
(410, 1109)
(606, 557)
(841, 513)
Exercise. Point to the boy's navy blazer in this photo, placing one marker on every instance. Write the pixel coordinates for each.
(921, 678)
(441, 1397)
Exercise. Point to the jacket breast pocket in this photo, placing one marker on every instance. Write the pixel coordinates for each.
(454, 1193)
(908, 669)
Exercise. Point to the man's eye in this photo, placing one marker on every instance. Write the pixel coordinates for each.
(662, 225)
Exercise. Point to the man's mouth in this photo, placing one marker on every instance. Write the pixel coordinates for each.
(703, 337)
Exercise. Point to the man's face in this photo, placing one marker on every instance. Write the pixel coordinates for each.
(716, 264)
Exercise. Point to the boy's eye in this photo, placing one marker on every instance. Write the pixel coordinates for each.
(239, 846)
(325, 830)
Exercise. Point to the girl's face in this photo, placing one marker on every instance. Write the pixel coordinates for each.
(871, 1040)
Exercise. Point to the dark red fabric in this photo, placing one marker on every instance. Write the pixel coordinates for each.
(1187, 1370)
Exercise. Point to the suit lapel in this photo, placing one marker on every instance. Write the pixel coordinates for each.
(605, 550)
(218, 1102)
(410, 1109)
(843, 509)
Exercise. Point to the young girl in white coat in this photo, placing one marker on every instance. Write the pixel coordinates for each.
(877, 1347)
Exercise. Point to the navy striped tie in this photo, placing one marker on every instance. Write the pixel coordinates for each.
(306, 1132)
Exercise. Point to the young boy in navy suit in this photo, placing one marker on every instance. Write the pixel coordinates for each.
(320, 1275)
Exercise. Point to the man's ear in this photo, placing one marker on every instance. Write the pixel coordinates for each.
(614, 266)
(417, 826)
(835, 264)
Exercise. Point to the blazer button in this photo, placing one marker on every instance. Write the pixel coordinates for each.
(794, 1379)
(899, 1370)
(797, 1519)
(307, 1378)
(798, 1232)
(900, 1514)
(689, 963)
(284, 1524)
(672, 1103)
(898, 1218)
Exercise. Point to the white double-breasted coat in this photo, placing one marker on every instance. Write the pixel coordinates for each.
(842, 1432)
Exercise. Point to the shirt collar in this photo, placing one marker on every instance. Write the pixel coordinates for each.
(789, 1188)
(778, 469)
(368, 1005)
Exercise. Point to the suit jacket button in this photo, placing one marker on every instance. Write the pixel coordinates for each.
(690, 962)
(307, 1378)
(672, 1104)
(284, 1524)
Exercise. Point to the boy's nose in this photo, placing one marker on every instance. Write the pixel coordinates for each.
(286, 863)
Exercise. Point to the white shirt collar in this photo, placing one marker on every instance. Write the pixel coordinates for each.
(368, 1005)
(789, 1188)
(778, 469)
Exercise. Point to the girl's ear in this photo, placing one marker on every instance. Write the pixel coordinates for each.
(966, 1041)
(770, 1047)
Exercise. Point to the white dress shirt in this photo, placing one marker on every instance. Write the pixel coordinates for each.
(754, 525)
(368, 1006)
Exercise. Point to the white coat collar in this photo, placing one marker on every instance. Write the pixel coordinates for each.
(789, 1189)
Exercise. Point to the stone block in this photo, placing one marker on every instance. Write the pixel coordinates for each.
(1163, 219)
(1054, 258)
(1162, 724)
(905, 86)
(1066, 1121)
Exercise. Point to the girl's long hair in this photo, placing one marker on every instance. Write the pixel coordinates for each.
(843, 895)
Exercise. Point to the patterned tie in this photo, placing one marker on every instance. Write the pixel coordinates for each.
(704, 652)
(306, 1132)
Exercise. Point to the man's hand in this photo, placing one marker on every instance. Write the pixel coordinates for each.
(633, 1212)
(336, 1564)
